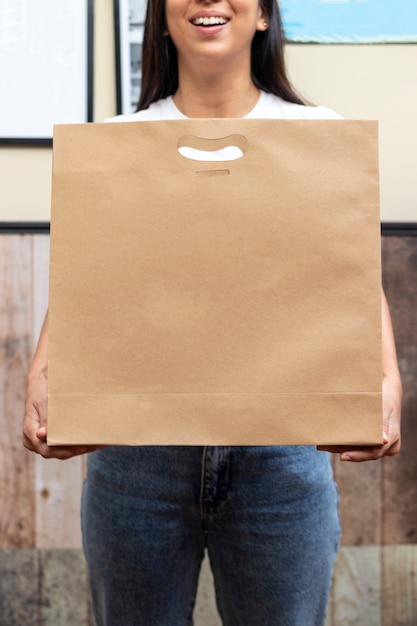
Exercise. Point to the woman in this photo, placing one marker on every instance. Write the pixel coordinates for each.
(267, 516)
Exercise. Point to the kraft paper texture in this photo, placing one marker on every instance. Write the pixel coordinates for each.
(215, 303)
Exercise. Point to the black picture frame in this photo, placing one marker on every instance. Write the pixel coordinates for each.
(25, 228)
(47, 59)
(129, 19)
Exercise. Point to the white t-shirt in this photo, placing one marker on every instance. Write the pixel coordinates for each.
(267, 107)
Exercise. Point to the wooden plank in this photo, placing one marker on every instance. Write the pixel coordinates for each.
(65, 594)
(40, 283)
(356, 596)
(17, 511)
(44, 588)
(58, 498)
(399, 593)
(400, 486)
(58, 484)
(360, 489)
(19, 588)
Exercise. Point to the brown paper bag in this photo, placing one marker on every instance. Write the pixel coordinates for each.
(209, 303)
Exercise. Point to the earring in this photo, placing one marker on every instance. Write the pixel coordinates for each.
(265, 23)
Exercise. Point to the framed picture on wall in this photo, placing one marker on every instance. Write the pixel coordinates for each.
(46, 65)
(350, 22)
(129, 18)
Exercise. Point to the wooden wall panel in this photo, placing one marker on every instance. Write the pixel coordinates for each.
(42, 582)
(356, 595)
(42, 569)
(64, 591)
(361, 502)
(17, 510)
(400, 473)
(58, 494)
(19, 588)
(399, 591)
(44, 588)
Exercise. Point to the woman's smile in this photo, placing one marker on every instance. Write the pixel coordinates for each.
(208, 22)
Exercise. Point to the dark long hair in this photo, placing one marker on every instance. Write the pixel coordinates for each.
(160, 61)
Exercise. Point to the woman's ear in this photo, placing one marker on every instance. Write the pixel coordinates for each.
(262, 25)
(263, 20)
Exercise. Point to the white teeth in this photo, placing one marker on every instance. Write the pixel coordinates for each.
(209, 21)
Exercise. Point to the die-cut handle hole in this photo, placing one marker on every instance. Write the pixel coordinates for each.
(229, 148)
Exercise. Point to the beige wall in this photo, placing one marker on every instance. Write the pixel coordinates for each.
(366, 82)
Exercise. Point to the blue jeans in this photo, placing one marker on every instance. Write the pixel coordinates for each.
(268, 517)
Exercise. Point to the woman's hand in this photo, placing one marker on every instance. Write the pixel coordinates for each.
(391, 403)
(34, 423)
(35, 418)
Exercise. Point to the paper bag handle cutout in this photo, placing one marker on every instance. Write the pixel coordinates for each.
(228, 148)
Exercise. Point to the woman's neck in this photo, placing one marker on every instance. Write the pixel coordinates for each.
(203, 96)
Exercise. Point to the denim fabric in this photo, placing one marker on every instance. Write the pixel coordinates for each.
(268, 517)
